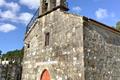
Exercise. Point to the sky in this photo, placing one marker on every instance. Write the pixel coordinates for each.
(16, 14)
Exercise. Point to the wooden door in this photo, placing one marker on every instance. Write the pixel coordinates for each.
(45, 75)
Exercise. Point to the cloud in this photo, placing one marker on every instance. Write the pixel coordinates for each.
(10, 16)
(2, 2)
(10, 13)
(7, 27)
(101, 13)
(10, 10)
(25, 17)
(10, 5)
(32, 4)
(14, 7)
(7, 14)
(104, 13)
(76, 9)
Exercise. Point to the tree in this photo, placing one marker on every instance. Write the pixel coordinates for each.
(0, 53)
(12, 55)
(118, 25)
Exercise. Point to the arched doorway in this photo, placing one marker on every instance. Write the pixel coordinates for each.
(45, 75)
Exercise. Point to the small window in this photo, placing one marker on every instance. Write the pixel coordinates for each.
(46, 6)
(28, 45)
(47, 36)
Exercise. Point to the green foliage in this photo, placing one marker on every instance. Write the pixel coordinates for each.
(118, 26)
(0, 52)
(13, 54)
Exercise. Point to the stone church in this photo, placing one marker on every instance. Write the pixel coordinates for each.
(64, 46)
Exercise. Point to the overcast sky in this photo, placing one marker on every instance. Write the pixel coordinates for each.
(15, 15)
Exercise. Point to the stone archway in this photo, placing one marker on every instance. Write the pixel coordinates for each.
(45, 75)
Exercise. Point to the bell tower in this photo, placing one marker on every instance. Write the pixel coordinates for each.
(48, 5)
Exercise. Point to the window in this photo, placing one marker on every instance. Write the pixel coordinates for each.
(46, 6)
(47, 36)
(28, 45)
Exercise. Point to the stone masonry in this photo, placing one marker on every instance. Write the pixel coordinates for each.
(101, 52)
(10, 70)
(78, 48)
(64, 55)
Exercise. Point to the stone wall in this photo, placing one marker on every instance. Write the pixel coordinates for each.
(11, 69)
(10, 72)
(63, 57)
(102, 53)
(0, 72)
